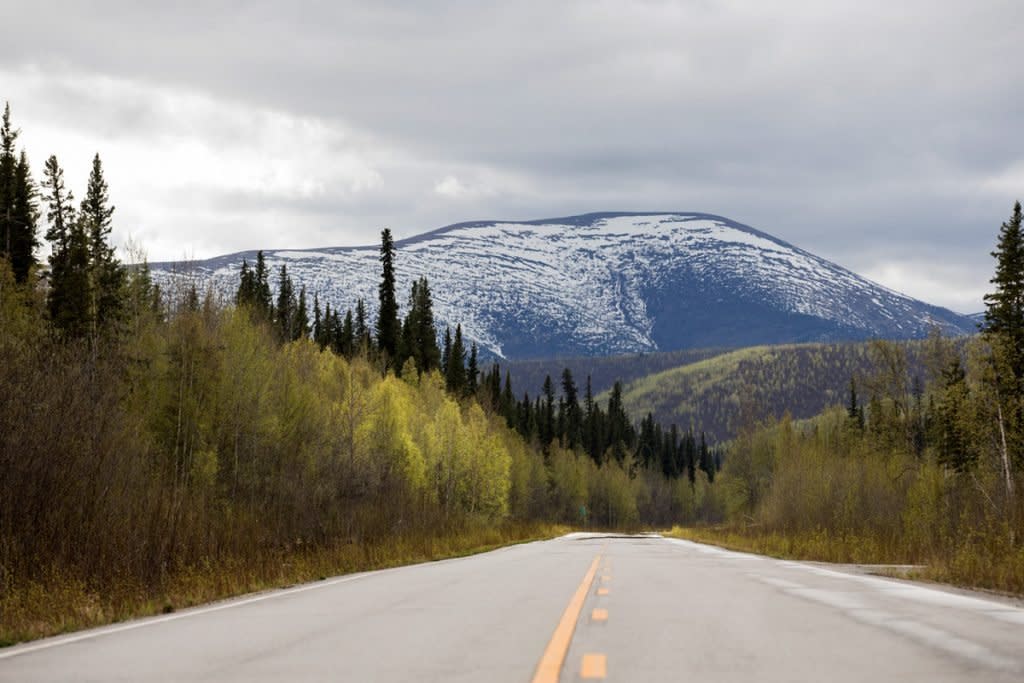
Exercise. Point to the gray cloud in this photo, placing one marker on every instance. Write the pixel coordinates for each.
(881, 135)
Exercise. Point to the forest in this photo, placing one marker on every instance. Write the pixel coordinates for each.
(159, 447)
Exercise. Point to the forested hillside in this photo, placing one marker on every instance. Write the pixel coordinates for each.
(603, 371)
(740, 388)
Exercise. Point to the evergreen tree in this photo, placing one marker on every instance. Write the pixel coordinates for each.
(472, 373)
(573, 415)
(954, 449)
(69, 297)
(419, 334)
(245, 295)
(361, 329)
(446, 351)
(455, 372)
(284, 311)
(19, 215)
(1004, 316)
(300, 326)
(318, 325)
(547, 413)
(347, 336)
(387, 315)
(262, 287)
(107, 275)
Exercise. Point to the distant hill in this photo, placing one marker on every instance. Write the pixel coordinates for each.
(724, 392)
(610, 283)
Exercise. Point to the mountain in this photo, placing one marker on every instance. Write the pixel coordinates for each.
(611, 283)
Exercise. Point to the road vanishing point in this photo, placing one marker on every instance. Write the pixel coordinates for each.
(580, 607)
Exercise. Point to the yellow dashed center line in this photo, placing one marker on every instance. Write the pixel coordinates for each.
(602, 591)
(554, 655)
(594, 666)
(599, 614)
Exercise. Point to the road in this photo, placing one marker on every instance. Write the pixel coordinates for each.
(579, 607)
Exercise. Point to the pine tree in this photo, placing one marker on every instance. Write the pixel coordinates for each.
(245, 295)
(954, 442)
(1004, 316)
(472, 373)
(347, 336)
(361, 329)
(8, 168)
(300, 325)
(573, 415)
(262, 288)
(318, 326)
(69, 297)
(455, 372)
(107, 275)
(446, 351)
(387, 314)
(284, 311)
(19, 214)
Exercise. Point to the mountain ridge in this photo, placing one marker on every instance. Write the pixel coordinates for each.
(611, 282)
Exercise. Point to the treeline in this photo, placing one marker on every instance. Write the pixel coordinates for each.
(914, 471)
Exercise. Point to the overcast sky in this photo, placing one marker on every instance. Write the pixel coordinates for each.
(886, 136)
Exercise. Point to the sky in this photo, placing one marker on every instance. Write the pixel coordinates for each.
(885, 136)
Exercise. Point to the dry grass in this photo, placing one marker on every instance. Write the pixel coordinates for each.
(992, 565)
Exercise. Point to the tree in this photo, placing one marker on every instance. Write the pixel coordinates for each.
(854, 410)
(262, 286)
(472, 372)
(954, 442)
(286, 308)
(18, 212)
(419, 336)
(107, 275)
(387, 315)
(1004, 315)
(455, 371)
(300, 326)
(573, 416)
(360, 329)
(69, 296)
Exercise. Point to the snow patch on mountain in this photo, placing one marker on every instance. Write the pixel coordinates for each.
(610, 283)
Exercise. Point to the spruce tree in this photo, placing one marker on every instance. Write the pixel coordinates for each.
(69, 296)
(455, 372)
(387, 314)
(284, 311)
(472, 373)
(318, 327)
(107, 275)
(361, 329)
(347, 336)
(446, 352)
(547, 413)
(8, 168)
(573, 416)
(1004, 316)
(262, 288)
(300, 326)
(19, 215)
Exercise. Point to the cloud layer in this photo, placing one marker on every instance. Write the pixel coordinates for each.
(883, 136)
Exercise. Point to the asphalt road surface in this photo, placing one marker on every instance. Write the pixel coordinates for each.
(581, 607)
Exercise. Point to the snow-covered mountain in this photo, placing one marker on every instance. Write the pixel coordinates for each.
(610, 283)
